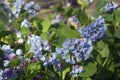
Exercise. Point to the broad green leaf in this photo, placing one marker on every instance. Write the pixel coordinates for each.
(90, 69)
(117, 33)
(5, 33)
(103, 48)
(82, 17)
(24, 30)
(66, 33)
(44, 35)
(117, 15)
(108, 17)
(15, 62)
(45, 25)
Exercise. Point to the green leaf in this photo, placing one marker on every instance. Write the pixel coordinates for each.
(66, 33)
(82, 17)
(45, 25)
(68, 11)
(108, 17)
(5, 33)
(1, 25)
(24, 30)
(117, 15)
(103, 48)
(64, 72)
(90, 69)
(117, 33)
(44, 35)
(33, 67)
(27, 46)
(101, 4)
(29, 55)
(15, 62)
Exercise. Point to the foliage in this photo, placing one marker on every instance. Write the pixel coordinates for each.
(68, 46)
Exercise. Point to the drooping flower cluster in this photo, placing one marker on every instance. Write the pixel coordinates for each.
(37, 46)
(41, 50)
(17, 7)
(75, 51)
(110, 7)
(31, 7)
(95, 30)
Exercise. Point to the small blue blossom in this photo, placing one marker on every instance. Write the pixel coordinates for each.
(57, 19)
(76, 69)
(95, 30)
(7, 49)
(75, 50)
(19, 52)
(26, 23)
(110, 6)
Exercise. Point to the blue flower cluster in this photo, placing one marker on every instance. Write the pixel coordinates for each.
(95, 30)
(30, 7)
(110, 6)
(75, 50)
(38, 46)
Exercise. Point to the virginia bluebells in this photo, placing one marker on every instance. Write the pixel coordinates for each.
(76, 69)
(95, 30)
(76, 50)
(32, 8)
(17, 7)
(38, 46)
(110, 7)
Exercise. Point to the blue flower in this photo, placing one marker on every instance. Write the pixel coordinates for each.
(57, 19)
(76, 69)
(110, 6)
(75, 50)
(95, 30)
